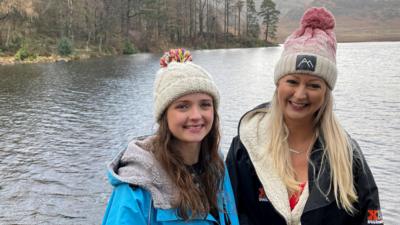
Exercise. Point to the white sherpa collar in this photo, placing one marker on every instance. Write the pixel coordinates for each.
(253, 133)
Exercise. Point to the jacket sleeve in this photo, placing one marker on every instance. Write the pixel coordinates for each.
(125, 206)
(231, 163)
(368, 197)
(232, 166)
(229, 201)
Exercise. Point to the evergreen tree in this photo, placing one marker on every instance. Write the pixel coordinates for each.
(270, 16)
(252, 26)
(239, 5)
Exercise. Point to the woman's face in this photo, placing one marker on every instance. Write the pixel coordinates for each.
(300, 96)
(191, 117)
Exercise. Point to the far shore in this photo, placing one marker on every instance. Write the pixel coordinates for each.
(10, 60)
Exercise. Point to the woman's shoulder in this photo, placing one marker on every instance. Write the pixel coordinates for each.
(137, 167)
(128, 192)
(360, 164)
(135, 164)
(140, 204)
(356, 151)
(127, 205)
(237, 149)
(261, 108)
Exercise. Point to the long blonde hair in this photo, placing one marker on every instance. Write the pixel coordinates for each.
(337, 150)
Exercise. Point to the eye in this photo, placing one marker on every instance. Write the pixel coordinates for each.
(291, 81)
(315, 86)
(182, 106)
(206, 104)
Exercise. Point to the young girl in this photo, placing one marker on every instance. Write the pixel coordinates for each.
(292, 162)
(177, 175)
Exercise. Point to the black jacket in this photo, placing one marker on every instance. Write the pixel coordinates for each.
(255, 209)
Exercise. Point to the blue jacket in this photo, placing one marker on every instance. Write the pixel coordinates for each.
(141, 195)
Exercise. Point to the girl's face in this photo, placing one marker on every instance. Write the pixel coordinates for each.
(191, 117)
(300, 96)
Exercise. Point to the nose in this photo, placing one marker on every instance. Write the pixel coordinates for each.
(300, 92)
(195, 113)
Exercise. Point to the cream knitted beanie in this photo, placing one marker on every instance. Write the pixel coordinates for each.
(179, 77)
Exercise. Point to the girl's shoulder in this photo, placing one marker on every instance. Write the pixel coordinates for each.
(138, 206)
(128, 193)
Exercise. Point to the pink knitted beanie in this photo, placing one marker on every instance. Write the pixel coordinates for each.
(311, 49)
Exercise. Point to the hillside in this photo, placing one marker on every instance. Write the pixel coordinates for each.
(356, 20)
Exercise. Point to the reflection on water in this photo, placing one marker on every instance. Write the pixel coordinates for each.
(61, 123)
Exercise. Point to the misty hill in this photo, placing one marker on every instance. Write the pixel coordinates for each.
(356, 20)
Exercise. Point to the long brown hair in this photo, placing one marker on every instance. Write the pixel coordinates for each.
(194, 200)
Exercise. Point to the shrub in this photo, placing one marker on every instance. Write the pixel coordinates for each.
(32, 57)
(129, 48)
(64, 47)
(22, 53)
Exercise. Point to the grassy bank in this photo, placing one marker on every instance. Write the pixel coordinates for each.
(32, 52)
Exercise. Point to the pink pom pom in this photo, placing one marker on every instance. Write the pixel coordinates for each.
(318, 18)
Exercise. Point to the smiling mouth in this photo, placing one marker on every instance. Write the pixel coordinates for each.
(196, 126)
(298, 105)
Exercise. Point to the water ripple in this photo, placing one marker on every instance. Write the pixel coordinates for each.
(60, 123)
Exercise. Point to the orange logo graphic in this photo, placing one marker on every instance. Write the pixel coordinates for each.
(262, 197)
(374, 216)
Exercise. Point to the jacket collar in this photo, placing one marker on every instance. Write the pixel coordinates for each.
(252, 131)
(137, 166)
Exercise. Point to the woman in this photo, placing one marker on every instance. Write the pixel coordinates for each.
(177, 175)
(292, 162)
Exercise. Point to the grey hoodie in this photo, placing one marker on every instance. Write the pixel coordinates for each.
(137, 166)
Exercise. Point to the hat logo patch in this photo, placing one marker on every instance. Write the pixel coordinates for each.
(306, 62)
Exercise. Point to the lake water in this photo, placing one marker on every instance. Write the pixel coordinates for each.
(60, 123)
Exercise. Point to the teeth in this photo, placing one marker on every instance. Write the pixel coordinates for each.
(299, 104)
(195, 126)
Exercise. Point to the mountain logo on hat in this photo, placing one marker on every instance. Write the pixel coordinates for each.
(306, 62)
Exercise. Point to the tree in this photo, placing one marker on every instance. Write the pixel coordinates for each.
(201, 16)
(226, 16)
(106, 25)
(70, 20)
(269, 14)
(252, 26)
(16, 18)
(239, 5)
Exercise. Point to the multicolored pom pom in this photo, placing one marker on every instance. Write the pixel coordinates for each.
(175, 55)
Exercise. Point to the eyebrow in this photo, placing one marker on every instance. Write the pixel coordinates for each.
(188, 101)
(182, 101)
(315, 79)
(312, 79)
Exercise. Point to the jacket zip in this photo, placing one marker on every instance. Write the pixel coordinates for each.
(150, 211)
